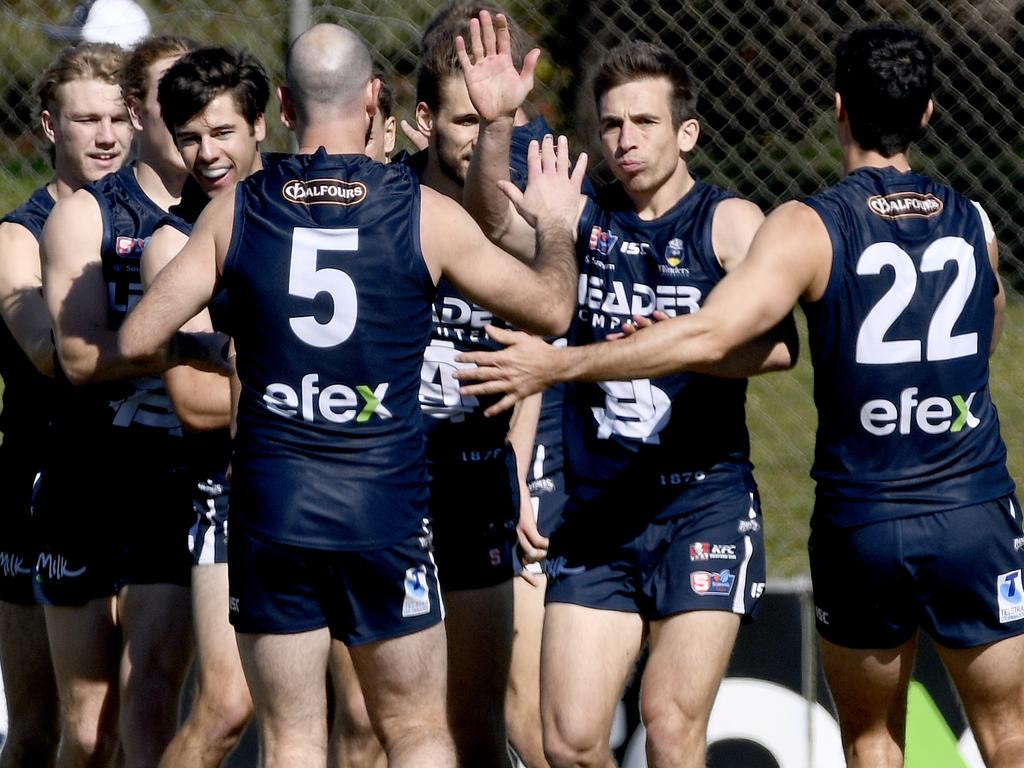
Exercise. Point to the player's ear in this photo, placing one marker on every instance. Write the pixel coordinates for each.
(840, 113)
(424, 118)
(687, 135)
(390, 135)
(47, 119)
(284, 96)
(372, 94)
(134, 111)
(259, 128)
(927, 113)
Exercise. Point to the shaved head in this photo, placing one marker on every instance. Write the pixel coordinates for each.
(327, 69)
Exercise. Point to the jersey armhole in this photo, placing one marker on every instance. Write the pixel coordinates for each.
(986, 222)
(832, 230)
(107, 238)
(429, 288)
(238, 225)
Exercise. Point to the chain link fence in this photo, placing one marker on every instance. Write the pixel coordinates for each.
(766, 113)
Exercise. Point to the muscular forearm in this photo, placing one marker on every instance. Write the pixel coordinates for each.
(556, 267)
(671, 346)
(490, 164)
(201, 399)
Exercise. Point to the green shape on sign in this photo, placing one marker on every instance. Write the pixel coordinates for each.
(930, 742)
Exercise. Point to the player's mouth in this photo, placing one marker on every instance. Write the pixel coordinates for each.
(213, 178)
(104, 158)
(630, 167)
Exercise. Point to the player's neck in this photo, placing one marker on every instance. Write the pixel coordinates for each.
(654, 203)
(439, 181)
(854, 157)
(161, 185)
(336, 138)
(62, 187)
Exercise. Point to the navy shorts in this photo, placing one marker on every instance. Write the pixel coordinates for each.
(474, 504)
(109, 521)
(713, 560)
(360, 596)
(19, 547)
(208, 537)
(956, 573)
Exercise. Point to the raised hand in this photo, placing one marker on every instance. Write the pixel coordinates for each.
(552, 195)
(495, 87)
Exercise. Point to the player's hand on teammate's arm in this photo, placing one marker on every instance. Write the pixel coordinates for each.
(551, 200)
(495, 87)
(638, 322)
(206, 351)
(526, 365)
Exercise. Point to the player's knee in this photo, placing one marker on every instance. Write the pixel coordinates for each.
(89, 744)
(574, 748)
(674, 729)
(225, 710)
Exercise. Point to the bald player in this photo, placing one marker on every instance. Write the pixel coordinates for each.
(330, 308)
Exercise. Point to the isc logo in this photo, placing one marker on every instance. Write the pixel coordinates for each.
(933, 415)
(336, 403)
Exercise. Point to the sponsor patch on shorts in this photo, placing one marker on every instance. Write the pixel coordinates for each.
(1010, 596)
(417, 594)
(705, 583)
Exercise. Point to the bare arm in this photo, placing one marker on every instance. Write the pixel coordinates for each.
(149, 336)
(21, 296)
(201, 399)
(541, 297)
(789, 259)
(76, 293)
(522, 434)
(497, 90)
(733, 227)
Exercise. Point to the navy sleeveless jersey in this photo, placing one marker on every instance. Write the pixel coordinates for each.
(129, 219)
(658, 432)
(899, 343)
(27, 394)
(329, 300)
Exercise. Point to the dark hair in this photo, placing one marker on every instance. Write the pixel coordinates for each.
(135, 75)
(884, 74)
(197, 78)
(438, 59)
(386, 98)
(629, 62)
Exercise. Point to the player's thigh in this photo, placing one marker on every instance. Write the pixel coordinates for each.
(403, 680)
(587, 655)
(349, 705)
(990, 681)
(156, 624)
(478, 625)
(869, 687)
(528, 615)
(286, 675)
(29, 683)
(216, 649)
(85, 647)
(689, 653)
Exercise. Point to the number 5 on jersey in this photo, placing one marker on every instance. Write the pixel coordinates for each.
(308, 282)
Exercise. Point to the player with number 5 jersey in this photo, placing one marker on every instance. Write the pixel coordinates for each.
(329, 261)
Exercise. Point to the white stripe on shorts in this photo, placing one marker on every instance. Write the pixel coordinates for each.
(741, 578)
